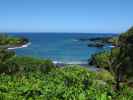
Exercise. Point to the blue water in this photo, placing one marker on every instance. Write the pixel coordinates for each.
(63, 47)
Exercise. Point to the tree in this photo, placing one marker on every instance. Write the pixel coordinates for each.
(119, 60)
(7, 66)
(121, 63)
(5, 55)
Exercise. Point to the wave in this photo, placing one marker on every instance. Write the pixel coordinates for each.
(109, 46)
(81, 63)
(112, 46)
(70, 62)
(18, 47)
(75, 40)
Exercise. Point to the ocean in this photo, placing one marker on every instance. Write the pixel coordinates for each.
(60, 47)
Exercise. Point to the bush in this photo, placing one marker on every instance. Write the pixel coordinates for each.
(37, 85)
(29, 64)
(105, 75)
(68, 83)
(101, 59)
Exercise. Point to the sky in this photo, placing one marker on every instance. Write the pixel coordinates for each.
(96, 16)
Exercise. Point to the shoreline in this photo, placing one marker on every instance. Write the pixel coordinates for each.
(86, 65)
(19, 47)
(60, 63)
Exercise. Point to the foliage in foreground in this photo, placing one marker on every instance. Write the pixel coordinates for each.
(69, 83)
(38, 79)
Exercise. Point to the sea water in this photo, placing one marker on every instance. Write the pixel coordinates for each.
(60, 47)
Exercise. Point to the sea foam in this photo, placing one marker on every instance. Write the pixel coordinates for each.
(23, 46)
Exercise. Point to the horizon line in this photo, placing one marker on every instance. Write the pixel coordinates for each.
(65, 32)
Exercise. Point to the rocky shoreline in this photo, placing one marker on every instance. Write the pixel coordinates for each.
(17, 47)
(98, 42)
(13, 42)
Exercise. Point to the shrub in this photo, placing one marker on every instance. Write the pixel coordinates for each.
(104, 75)
(27, 64)
(101, 59)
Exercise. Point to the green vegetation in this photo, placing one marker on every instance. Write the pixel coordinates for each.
(113, 40)
(101, 41)
(10, 41)
(37, 79)
(27, 78)
(101, 59)
(118, 61)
